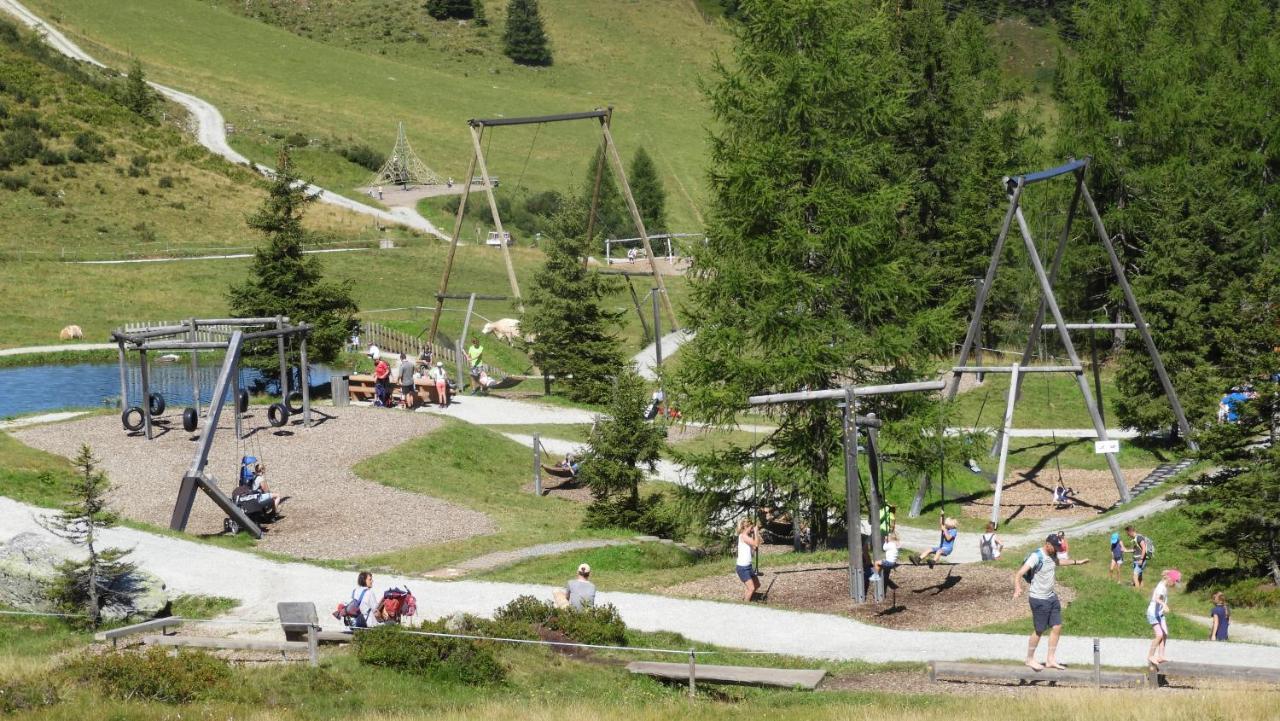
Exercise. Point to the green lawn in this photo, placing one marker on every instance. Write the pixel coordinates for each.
(1049, 400)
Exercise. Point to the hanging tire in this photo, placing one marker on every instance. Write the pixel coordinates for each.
(294, 409)
(132, 425)
(244, 400)
(155, 402)
(277, 414)
(190, 419)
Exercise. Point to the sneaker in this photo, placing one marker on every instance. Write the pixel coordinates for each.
(874, 577)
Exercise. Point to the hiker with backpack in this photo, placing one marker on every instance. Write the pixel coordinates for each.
(1144, 549)
(1040, 571)
(989, 545)
(358, 611)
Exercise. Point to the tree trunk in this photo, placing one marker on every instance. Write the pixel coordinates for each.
(94, 611)
(1275, 566)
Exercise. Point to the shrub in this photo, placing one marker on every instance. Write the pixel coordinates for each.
(21, 143)
(1254, 592)
(544, 204)
(139, 161)
(364, 156)
(153, 675)
(165, 181)
(595, 624)
(444, 659)
(297, 140)
(52, 157)
(14, 181)
(26, 694)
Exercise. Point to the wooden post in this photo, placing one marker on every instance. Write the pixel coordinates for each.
(146, 393)
(462, 342)
(235, 404)
(874, 502)
(124, 377)
(453, 249)
(497, 220)
(313, 646)
(1097, 663)
(595, 205)
(657, 332)
(306, 382)
(853, 499)
(1097, 374)
(635, 216)
(635, 300)
(284, 363)
(537, 465)
(693, 665)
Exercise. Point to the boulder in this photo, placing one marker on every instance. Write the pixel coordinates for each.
(28, 566)
(71, 332)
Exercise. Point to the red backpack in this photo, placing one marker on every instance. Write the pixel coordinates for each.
(395, 603)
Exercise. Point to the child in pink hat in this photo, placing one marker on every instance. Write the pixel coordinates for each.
(1158, 612)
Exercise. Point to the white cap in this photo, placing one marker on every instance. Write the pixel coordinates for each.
(584, 570)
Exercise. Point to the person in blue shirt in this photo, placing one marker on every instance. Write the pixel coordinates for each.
(946, 541)
(1220, 617)
(1117, 556)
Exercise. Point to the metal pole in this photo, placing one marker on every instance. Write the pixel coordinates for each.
(453, 249)
(497, 220)
(284, 364)
(146, 393)
(537, 465)
(306, 382)
(124, 378)
(853, 499)
(983, 290)
(657, 331)
(1141, 322)
(1065, 336)
(1004, 444)
(874, 502)
(195, 369)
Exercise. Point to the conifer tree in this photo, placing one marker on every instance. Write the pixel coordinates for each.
(564, 311)
(87, 586)
(525, 40)
(137, 95)
(612, 218)
(650, 196)
(478, 13)
(622, 446)
(283, 281)
(451, 9)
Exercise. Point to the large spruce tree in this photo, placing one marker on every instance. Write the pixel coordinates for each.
(525, 40)
(452, 9)
(623, 445)
(283, 281)
(646, 188)
(1175, 100)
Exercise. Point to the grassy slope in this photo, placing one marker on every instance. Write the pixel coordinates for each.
(643, 60)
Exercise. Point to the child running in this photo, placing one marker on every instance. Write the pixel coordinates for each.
(1158, 612)
(1221, 618)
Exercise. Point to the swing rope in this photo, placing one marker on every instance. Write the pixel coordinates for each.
(520, 180)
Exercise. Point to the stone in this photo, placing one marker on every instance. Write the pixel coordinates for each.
(28, 566)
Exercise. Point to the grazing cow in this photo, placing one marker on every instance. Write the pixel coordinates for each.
(504, 329)
(71, 332)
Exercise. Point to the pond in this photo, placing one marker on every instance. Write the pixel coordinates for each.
(32, 389)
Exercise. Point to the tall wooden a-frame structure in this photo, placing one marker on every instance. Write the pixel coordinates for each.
(477, 127)
(403, 166)
(1048, 302)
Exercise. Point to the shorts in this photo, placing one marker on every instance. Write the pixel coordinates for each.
(1139, 566)
(1045, 613)
(886, 565)
(745, 573)
(943, 550)
(1117, 556)
(1155, 619)
(406, 390)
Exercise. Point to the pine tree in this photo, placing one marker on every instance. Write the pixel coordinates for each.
(89, 585)
(622, 446)
(650, 196)
(564, 311)
(283, 281)
(613, 220)
(451, 9)
(137, 95)
(481, 18)
(525, 40)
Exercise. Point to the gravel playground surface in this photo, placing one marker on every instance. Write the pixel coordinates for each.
(1029, 494)
(946, 597)
(331, 512)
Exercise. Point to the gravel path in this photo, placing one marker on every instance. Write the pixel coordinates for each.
(39, 419)
(647, 359)
(491, 411)
(501, 559)
(259, 583)
(665, 470)
(331, 513)
(35, 349)
(211, 128)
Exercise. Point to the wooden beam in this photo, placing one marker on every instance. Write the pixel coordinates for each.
(238, 644)
(155, 624)
(1008, 672)
(1251, 674)
(740, 675)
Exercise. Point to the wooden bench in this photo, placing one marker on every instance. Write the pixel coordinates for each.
(158, 624)
(740, 675)
(1245, 674)
(939, 670)
(297, 618)
(361, 388)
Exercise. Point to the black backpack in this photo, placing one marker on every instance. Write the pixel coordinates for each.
(1031, 572)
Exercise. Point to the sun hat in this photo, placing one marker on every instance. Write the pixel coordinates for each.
(1174, 575)
(1115, 538)
(584, 570)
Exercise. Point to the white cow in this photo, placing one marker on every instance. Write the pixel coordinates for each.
(505, 329)
(71, 332)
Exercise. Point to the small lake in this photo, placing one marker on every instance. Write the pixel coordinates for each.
(32, 389)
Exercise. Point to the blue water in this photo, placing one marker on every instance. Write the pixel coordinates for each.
(32, 389)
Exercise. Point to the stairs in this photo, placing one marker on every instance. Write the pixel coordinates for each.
(1158, 476)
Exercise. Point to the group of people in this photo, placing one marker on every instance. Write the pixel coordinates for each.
(405, 374)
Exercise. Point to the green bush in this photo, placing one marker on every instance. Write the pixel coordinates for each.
(153, 675)
(26, 694)
(52, 157)
(1255, 593)
(365, 157)
(443, 659)
(297, 140)
(14, 181)
(165, 181)
(596, 625)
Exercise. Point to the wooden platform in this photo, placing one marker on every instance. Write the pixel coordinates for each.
(1244, 674)
(943, 670)
(740, 675)
(361, 388)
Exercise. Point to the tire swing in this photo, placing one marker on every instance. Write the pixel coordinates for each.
(244, 400)
(190, 419)
(277, 414)
(156, 402)
(294, 409)
(132, 425)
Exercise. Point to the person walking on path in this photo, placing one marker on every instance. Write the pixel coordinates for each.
(748, 544)
(989, 545)
(1118, 550)
(1040, 570)
(1221, 618)
(946, 543)
(1158, 615)
(578, 593)
(441, 378)
(1141, 554)
(475, 356)
(406, 382)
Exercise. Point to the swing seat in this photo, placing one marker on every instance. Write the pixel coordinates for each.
(507, 382)
(558, 471)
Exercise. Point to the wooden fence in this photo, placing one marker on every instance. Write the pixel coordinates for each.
(390, 340)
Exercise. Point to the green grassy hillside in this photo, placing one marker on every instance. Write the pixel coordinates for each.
(353, 84)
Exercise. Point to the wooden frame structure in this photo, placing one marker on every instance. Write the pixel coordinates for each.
(852, 475)
(477, 127)
(1048, 302)
(228, 378)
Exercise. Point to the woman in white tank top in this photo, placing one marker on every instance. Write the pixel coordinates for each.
(748, 542)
